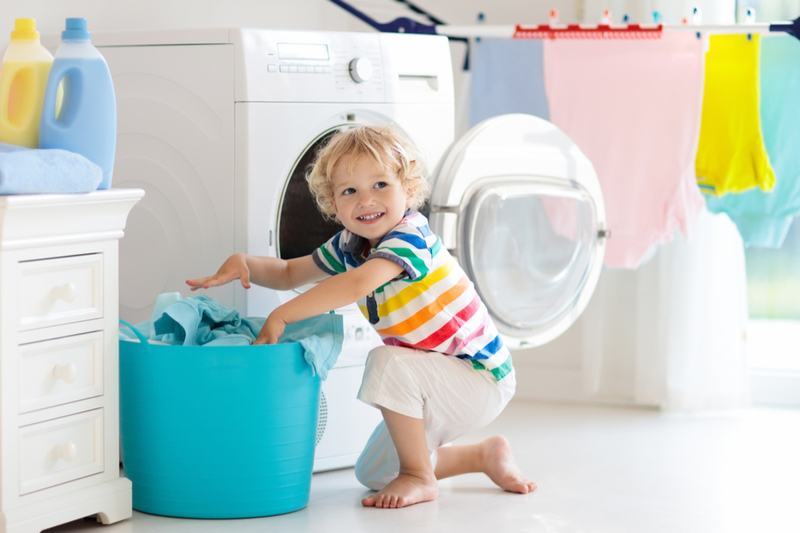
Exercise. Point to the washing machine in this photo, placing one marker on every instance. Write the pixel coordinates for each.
(219, 126)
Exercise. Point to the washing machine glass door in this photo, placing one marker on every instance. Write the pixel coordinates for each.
(301, 226)
(526, 221)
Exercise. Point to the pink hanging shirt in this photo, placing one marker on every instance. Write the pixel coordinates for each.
(633, 107)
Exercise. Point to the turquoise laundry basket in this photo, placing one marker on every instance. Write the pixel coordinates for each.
(217, 432)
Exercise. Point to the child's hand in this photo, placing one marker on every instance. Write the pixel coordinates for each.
(271, 331)
(235, 267)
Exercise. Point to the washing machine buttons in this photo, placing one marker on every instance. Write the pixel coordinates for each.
(300, 69)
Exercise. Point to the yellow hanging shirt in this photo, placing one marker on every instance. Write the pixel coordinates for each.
(731, 156)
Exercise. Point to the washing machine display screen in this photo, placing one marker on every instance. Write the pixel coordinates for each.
(303, 51)
(530, 250)
(302, 228)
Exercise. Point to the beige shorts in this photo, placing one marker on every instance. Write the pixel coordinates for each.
(451, 396)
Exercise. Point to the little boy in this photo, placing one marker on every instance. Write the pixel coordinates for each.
(420, 302)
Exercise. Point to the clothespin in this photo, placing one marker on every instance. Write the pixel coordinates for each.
(607, 18)
(697, 18)
(657, 18)
(626, 18)
(750, 18)
(553, 17)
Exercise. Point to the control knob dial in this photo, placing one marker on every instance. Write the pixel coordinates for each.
(360, 69)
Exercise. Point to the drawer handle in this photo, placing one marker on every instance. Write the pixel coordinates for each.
(66, 292)
(66, 373)
(68, 451)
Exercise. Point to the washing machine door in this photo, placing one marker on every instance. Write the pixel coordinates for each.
(520, 206)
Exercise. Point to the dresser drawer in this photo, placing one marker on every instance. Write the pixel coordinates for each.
(59, 371)
(60, 450)
(60, 291)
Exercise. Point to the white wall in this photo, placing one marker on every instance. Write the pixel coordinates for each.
(768, 10)
(672, 11)
(149, 14)
(294, 14)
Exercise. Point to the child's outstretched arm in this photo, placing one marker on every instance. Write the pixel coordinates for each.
(334, 292)
(268, 272)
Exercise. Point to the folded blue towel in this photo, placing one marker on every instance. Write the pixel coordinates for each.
(204, 321)
(27, 171)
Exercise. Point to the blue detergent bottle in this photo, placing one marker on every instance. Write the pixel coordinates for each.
(87, 120)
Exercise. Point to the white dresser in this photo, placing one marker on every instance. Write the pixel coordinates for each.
(59, 363)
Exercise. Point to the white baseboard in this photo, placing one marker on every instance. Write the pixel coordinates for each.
(549, 384)
(775, 387)
(552, 384)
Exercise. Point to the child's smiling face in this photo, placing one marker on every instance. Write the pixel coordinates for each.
(370, 201)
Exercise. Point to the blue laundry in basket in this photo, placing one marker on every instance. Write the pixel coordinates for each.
(203, 321)
(322, 337)
(27, 171)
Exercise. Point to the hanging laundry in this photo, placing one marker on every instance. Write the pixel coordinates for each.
(763, 219)
(633, 107)
(507, 78)
(731, 156)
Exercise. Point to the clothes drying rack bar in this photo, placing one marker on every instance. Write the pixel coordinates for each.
(609, 31)
(605, 30)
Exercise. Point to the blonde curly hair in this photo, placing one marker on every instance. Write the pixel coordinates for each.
(385, 146)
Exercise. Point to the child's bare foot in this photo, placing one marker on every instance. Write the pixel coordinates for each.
(403, 491)
(499, 465)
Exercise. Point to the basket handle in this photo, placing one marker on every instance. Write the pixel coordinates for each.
(142, 338)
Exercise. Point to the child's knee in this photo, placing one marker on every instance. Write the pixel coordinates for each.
(378, 359)
(380, 354)
(378, 463)
(391, 382)
(367, 476)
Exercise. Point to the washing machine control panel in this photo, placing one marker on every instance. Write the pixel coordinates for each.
(292, 66)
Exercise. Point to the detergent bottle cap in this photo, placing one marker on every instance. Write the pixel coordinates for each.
(76, 30)
(24, 30)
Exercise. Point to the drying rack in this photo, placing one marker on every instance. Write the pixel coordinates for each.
(605, 30)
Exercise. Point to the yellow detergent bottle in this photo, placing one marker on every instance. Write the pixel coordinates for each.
(23, 80)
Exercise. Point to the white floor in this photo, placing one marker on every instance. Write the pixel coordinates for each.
(599, 470)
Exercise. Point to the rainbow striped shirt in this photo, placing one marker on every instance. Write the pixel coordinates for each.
(432, 305)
